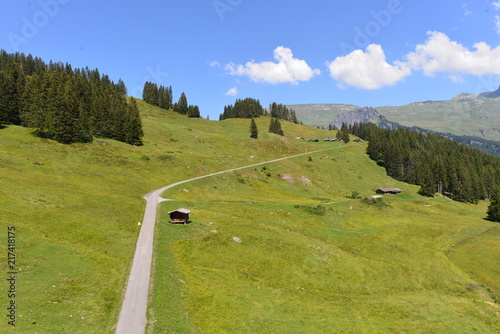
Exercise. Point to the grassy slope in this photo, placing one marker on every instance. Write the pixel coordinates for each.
(76, 210)
(354, 269)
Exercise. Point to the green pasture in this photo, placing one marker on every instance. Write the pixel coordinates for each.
(311, 260)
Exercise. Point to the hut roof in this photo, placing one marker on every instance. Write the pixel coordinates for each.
(389, 190)
(181, 210)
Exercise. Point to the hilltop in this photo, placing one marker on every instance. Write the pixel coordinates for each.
(311, 256)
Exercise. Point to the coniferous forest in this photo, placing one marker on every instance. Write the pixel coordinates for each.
(436, 164)
(65, 104)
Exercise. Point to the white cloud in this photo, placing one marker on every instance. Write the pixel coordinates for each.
(232, 92)
(214, 63)
(496, 4)
(455, 78)
(287, 69)
(368, 70)
(497, 23)
(440, 55)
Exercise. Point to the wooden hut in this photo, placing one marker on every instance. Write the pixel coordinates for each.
(179, 216)
(388, 191)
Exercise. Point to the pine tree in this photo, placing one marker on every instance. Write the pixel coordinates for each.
(426, 181)
(254, 132)
(275, 127)
(193, 111)
(344, 133)
(182, 105)
(133, 124)
(494, 207)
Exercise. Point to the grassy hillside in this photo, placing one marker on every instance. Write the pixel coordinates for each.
(76, 208)
(280, 248)
(299, 268)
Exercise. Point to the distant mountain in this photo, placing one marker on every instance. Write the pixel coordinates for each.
(491, 95)
(363, 115)
(320, 114)
(464, 115)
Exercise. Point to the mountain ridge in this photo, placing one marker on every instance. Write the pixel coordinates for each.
(464, 115)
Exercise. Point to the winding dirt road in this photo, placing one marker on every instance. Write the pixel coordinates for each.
(132, 319)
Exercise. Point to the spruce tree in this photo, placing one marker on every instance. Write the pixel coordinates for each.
(133, 124)
(275, 127)
(193, 111)
(254, 132)
(494, 207)
(182, 105)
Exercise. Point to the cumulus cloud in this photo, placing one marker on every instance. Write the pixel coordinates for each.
(497, 23)
(286, 69)
(441, 55)
(368, 70)
(232, 92)
(496, 4)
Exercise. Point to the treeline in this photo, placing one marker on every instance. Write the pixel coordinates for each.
(64, 104)
(251, 108)
(161, 96)
(435, 163)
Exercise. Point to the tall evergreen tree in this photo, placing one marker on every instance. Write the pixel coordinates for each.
(182, 105)
(133, 124)
(254, 132)
(494, 207)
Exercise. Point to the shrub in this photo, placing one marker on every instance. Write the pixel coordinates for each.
(319, 210)
(378, 202)
(354, 195)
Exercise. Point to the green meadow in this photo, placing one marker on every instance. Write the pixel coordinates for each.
(275, 248)
(265, 255)
(76, 210)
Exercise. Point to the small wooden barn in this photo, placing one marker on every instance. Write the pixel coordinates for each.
(179, 216)
(388, 191)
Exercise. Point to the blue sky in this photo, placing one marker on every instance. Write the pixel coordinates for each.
(367, 53)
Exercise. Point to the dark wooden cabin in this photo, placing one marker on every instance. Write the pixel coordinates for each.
(179, 216)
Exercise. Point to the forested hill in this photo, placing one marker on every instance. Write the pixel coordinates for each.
(65, 104)
(437, 164)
